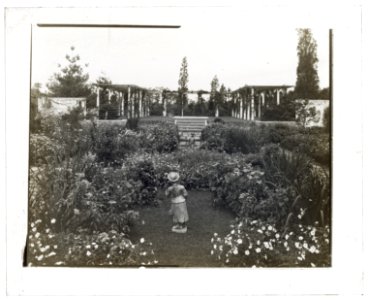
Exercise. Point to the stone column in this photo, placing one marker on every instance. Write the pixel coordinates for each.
(98, 98)
(262, 98)
(278, 100)
(110, 93)
(122, 104)
(133, 104)
(259, 106)
(240, 114)
(248, 111)
(252, 105)
(129, 108)
(140, 114)
(164, 100)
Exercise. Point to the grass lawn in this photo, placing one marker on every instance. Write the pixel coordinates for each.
(184, 250)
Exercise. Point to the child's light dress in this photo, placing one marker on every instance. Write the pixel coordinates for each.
(177, 194)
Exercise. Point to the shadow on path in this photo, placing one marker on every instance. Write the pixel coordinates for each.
(184, 250)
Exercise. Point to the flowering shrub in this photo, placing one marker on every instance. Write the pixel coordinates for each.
(46, 248)
(297, 173)
(161, 137)
(112, 143)
(259, 244)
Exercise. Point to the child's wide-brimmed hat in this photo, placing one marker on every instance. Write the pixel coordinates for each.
(173, 176)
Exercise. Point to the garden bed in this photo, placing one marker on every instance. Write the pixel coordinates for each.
(97, 183)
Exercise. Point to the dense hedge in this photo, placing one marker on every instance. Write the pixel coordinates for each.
(312, 142)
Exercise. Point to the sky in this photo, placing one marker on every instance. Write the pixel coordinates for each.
(151, 58)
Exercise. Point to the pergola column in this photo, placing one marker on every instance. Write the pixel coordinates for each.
(252, 105)
(240, 108)
(98, 98)
(134, 95)
(110, 94)
(259, 106)
(262, 98)
(248, 111)
(164, 100)
(140, 114)
(122, 104)
(129, 109)
(278, 100)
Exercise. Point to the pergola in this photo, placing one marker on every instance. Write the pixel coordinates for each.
(132, 100)
(250, 100)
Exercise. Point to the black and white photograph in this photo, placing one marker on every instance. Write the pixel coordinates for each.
(183, 139)
(164, 146)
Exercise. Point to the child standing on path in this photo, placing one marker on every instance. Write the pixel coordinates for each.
(177, 195)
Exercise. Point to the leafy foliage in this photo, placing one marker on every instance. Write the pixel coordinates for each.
(182, 85)
(70, 81)
(307, 82)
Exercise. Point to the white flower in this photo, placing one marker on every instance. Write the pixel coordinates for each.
(270, 228)
(277, 235)
(144, 253)
(34, 229)
(88, 253)
(247, 252)
(88, 247)
(301, 238)
(142, 240)
(212, 252)
(313, 265)
(215, 246)
(266, 245)
(38, 221)
(47, 230)
(55, 246)
(155, 261)
(215, 234)
(40, 257)
(108, 255)
(32, 224)
(233, 232)
(263, 228)
(37, 235)
(59, 263)
(258, 242)
(51, 254)
(258, 250)
(52, 221)
(298, 245)
(305, 245)
(32, 245)
(239, 241)
(285, 244)
(235, 251)
(96, 246)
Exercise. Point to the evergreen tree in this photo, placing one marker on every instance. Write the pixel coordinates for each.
(307, 82)
(182, 85)
(214, 96)
(70, 81)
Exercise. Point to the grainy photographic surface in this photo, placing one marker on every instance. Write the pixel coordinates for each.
(179, 145)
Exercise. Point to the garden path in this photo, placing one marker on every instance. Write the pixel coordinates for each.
(183, 250)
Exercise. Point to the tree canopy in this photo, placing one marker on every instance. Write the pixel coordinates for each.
(182, 84)
(70, 80)
(307, 82)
